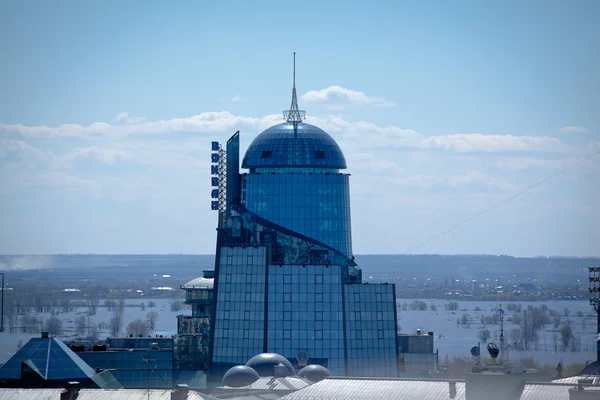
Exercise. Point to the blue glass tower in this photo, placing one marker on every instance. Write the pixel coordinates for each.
(285, 278)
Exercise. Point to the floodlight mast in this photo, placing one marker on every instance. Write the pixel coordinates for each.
(594, 288)
(500, 313)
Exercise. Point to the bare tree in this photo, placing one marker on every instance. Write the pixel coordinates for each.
(137, 327)
(151, 317)
(484, 335)
(121, 305)
(10, 314)
(566, 335)
(92, 302)
(176, 305)
(65, 305)
(102, 326)
(533, 320)
(109, 304)
(80, 325)
(54, 326)
(30, 323)
(116, 322)
(92, 328)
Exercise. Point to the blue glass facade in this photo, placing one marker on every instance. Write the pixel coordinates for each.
(285, 276)
(305, 311)
(316, 205)
(240, 318)
(135, 369)
(371, 330)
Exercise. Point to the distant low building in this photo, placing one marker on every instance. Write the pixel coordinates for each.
(416, 355)
(46, 362)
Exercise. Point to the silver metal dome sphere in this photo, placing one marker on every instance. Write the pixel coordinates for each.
(240, 376)
(314, 372)
(265, 364)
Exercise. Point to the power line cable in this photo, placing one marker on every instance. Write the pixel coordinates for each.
(502, 202)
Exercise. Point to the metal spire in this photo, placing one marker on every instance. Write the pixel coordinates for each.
(294, 115)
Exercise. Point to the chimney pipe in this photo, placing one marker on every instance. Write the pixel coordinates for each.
(70, 392)
(452, 387)
(180, 392)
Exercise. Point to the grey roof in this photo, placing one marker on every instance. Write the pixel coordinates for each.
(134, 394)
(30, 394)
(200, 283)
(97, 394)
(256, 395)
(288, 383)
(124, 394)
(575, 379)
(546, 391)
(372, 388)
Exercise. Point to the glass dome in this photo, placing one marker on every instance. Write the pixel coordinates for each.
(294, 145)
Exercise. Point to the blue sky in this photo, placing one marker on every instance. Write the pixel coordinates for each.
(443, 109)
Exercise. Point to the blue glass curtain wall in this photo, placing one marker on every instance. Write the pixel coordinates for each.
(315, 205)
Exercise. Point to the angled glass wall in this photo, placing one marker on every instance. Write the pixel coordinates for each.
(371, 330)
(240, 309)
(316, 205)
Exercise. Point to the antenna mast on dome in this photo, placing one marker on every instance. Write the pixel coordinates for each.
(294, 115)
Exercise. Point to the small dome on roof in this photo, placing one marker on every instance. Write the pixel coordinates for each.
(240, 376)
(265, 364)
(314, 372)
(294, 145)
(199, 283)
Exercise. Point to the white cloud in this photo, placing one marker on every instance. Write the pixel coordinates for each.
(344, 131)
(238, 99)
(104, 155)
(593, 147)
(21, 151)
(208, 122)
(372, 164)
(125, 118)
(573, 129)
(521, 163)
(429, 180)
(337, 95)
(475, 142)
(371, 135)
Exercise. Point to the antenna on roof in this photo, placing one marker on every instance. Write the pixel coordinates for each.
(294, 115)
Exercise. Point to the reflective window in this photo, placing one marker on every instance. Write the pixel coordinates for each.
(315, 327)
(317, 205)
(303, 145)
(371, 330)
